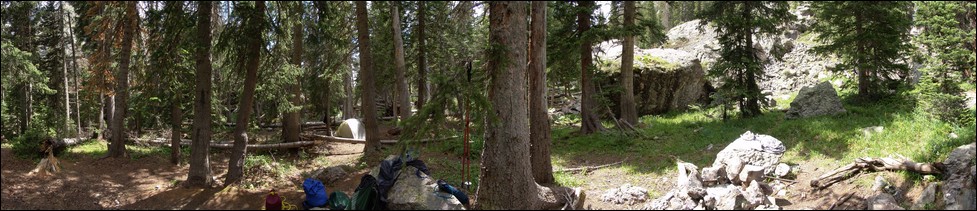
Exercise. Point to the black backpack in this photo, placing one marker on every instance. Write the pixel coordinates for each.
(389, 172)
(366, 197)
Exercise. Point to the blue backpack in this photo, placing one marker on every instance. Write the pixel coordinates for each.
(315, 194)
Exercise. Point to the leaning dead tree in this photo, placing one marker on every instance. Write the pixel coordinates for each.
(872, 164)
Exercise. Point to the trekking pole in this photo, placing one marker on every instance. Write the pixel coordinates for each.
(465, 176)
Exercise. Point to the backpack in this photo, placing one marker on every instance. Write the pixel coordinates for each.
(338, 201)
(315, 194)
(366, 197)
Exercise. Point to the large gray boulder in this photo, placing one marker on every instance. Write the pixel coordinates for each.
(815, 101)
(752, 149)
(411, 192)
(959, 190)
(330, 175)
(664, 79)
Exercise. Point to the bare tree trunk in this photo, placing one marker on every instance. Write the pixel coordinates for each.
(421, 60)
(348, 104)
(74, 69)
(629, 112)
(506, 178)
(590, 123)
(403, 92)
(235, 165)
(64, 71)
(176, 133)
(200, 173)
(539, 122)
(291, 120)
(665, 12)
(117, 148)
(366, 77)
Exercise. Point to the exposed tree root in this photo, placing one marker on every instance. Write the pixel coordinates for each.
(871, 164)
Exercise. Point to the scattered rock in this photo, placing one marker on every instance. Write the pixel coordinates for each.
(750, 174)
(818, 100)
(713, 175)
(953, 136)
(625, 194)
(871, 130)
(758, 150)
(733, 167)
(782, 170)
(879, 183)
(754, 195)
(330, 175)
(732, 200)
(971, 99)
(419, 193)
(927, 197)
(958, 191)
(883, 201)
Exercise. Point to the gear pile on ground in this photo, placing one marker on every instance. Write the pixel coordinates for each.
(734, 182)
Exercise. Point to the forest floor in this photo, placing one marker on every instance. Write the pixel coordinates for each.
(815, 145)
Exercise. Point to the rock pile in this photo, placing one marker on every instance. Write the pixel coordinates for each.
(734, 181)
(625, 194)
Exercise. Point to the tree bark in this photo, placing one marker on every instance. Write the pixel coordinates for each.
(74, 69)
(200, 173)
(664, 9)
(64, 71)
(403, 92)
(421, 60)
(366, 77)
(506, 178)
(348, 103)
(590, 123)
(118, 149)
(176, 133)
(235, 165)
(629, 111)
(538, 115)
(291, 120)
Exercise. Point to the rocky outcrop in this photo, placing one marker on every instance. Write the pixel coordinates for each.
(665, 79)
(815, 101)
(959, 190)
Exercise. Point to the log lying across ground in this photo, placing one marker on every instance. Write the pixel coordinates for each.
(315, 140)
(871, 164)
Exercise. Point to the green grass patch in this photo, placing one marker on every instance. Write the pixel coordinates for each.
(568, 180)
(99, 148)
(830, 140)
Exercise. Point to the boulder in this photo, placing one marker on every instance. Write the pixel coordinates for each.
(733, 166)
(751, 173)
(883, 201)
(752, 149)
(927, 197)
(330, 175)
(754, 195)
(713, 175)
(782, 170)
(664, 79)
(625, 194)
(818, 100)
(971, 99)
(959, 191)
(729, 198)
(411, 192)
(351, 128)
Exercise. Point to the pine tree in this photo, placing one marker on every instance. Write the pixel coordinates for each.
(868, 36)
(739, 66)
(947, 56)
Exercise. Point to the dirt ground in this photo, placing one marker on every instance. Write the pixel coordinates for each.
(152, 183)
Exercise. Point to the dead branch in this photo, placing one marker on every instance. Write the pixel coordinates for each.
(591, 168)
(780, 179)
(842, 200)
(871, 164)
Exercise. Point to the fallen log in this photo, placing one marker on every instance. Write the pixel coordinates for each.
(871, 164)
(314, 140)
(591, 168)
